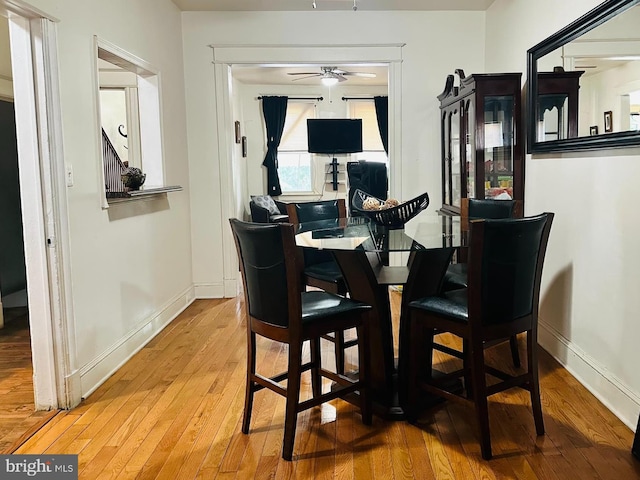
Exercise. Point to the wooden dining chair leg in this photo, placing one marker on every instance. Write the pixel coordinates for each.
(513, 343)
(466, 368)
(363, 374)
(316, 361)
(532, 361)
(338, 340)
(249, 389)
(293, 398)
(479, 382)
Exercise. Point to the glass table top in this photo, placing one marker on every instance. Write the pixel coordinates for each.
(427, 230)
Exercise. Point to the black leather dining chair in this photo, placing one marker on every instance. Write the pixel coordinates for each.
(506, 257)
(320, 268)
(276, 308)
(456, 274)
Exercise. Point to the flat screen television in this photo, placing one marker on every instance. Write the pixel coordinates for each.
(334, 135)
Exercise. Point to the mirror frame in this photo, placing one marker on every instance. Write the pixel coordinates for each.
(582, 25)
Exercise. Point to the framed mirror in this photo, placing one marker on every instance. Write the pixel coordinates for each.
(584, 82)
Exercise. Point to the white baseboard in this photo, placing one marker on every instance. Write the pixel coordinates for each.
(209, 290)
(101, 368)
(606, 387)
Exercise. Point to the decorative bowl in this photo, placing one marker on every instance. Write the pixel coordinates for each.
(393, 217)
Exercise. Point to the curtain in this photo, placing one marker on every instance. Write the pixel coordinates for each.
(382, 114)
(274, 110)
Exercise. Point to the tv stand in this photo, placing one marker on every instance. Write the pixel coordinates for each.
(334, 173)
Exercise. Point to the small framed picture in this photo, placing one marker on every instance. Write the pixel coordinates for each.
(244, 146)
(237, 130)
(593, 130)
(608, 121)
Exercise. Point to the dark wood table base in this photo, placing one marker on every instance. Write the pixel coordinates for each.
(390, 408)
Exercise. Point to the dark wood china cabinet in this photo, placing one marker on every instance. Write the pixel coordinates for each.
(482, 139)
(557, 108)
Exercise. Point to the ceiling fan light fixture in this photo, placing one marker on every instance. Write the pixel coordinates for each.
(329, 80)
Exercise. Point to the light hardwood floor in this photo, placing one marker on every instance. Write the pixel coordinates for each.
(174, 411)
(18, 418)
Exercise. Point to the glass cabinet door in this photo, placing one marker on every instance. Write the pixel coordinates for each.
(446, 156)
(498, 146)
(469, 114)
(456, 172)
(553, 121)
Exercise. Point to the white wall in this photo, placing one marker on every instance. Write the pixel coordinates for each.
(590, 304)
(131, 264)
(604, 92)
(436, 44)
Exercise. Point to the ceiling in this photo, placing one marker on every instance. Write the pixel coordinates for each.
(326, 5)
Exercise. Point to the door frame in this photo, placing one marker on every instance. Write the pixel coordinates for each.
(44, 204)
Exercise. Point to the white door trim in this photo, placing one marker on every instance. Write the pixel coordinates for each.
(44, 205)
(226, 55)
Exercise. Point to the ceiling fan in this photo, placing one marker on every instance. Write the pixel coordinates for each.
(332, 75)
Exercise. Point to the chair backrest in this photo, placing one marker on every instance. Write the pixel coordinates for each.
(490, 208)
(313, 211)
(370, 177)
(270, 274)
(505, 267)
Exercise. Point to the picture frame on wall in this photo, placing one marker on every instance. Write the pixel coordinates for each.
(593, 130)
(608, 121)
(237, 131)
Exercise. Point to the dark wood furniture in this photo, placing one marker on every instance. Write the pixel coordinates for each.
(456, 276)
(361, 247)
(505, 270)
(277, 309)
(482, 139)
(320, 268)
(557, 104)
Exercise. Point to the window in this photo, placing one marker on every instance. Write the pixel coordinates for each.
(294, 161)
(372, 148)
(129, 115)
(119, 112)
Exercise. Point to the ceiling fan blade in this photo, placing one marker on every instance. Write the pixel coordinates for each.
(360, 74)
(305, 73)
(309, 76)
(341, 78)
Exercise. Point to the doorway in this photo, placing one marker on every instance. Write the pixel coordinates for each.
(33, 75)
(17, 408)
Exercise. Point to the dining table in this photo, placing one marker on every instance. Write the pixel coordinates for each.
(373, 257)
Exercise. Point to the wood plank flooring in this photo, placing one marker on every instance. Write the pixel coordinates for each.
(174, 412)
(18, 418)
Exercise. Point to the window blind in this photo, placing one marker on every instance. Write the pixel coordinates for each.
(366, 110)
(294, 135)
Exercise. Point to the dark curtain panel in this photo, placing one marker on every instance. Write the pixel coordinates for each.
(382, 114)
(274, 110)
